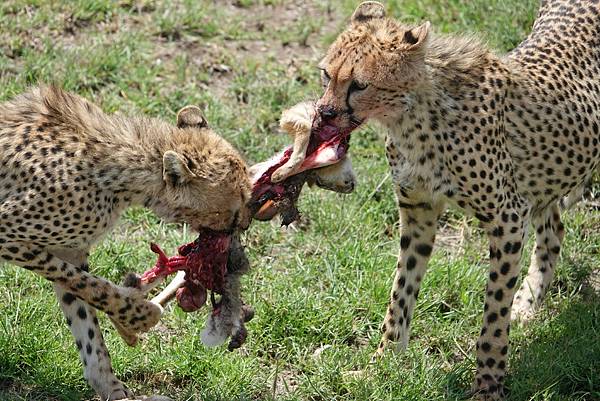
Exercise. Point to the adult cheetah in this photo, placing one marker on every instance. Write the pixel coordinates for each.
(502, 137)
(67, 173)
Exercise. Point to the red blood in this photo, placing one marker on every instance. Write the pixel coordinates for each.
(191, 297)
(327, 135)
(264, 183)
(323, 137)
(204, 262)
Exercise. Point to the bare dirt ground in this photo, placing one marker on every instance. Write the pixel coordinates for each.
(220, 59)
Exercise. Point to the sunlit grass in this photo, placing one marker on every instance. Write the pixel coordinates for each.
(320, 291)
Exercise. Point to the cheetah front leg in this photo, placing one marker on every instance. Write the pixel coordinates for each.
(418, 225)
(82, 321)
(506, 236)
(549, 233)
(97, 368)
(126, 307)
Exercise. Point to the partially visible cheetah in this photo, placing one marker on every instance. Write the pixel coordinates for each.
(67, 173)
(502, 137)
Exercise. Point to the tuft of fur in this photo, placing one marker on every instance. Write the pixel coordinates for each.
(456, 52)
(229, 315)
(296, 122)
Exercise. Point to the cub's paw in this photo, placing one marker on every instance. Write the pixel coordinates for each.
(110, 388)
(486, 388)
(134, 315)
(523, 309)
(119, 395)
(134, 280)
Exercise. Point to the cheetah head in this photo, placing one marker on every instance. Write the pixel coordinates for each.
(206, 182)
(371, 69)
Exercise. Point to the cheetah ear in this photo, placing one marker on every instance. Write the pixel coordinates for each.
(367, 11)
(175, 169)
(415, 38)
(191, 117)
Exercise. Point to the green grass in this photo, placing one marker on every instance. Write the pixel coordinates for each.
(323, 286)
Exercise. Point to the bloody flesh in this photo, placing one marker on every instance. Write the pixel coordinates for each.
(205, 259)
(327, 145)
(216, 260)
(204, 262)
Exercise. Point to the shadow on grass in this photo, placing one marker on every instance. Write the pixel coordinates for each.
(561, 361)
(20, 388)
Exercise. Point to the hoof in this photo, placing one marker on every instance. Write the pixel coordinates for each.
(248, 313)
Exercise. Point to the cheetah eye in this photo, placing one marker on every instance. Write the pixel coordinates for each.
(190, 164)
(356, 87)
(325, 78)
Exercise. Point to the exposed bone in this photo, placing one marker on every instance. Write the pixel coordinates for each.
(168, 293)
(229, 314)
(135, 281)
(306, 161)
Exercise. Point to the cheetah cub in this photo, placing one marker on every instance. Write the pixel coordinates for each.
(68, 171)
(503, 137)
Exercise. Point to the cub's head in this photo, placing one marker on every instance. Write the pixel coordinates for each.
(371, 69)
(206, 182)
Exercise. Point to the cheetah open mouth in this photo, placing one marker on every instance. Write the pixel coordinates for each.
(327, 145)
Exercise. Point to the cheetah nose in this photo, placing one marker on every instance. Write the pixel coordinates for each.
(327, 112)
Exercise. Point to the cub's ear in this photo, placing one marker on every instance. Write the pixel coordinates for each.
(175, 169)
(191, 117)
(367, 11)
(415, 38)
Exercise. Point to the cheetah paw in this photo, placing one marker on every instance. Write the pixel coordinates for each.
(108, 387)
(130, 338)
(138, 316)
(120, 393)
(522, 310)
(487, 389)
